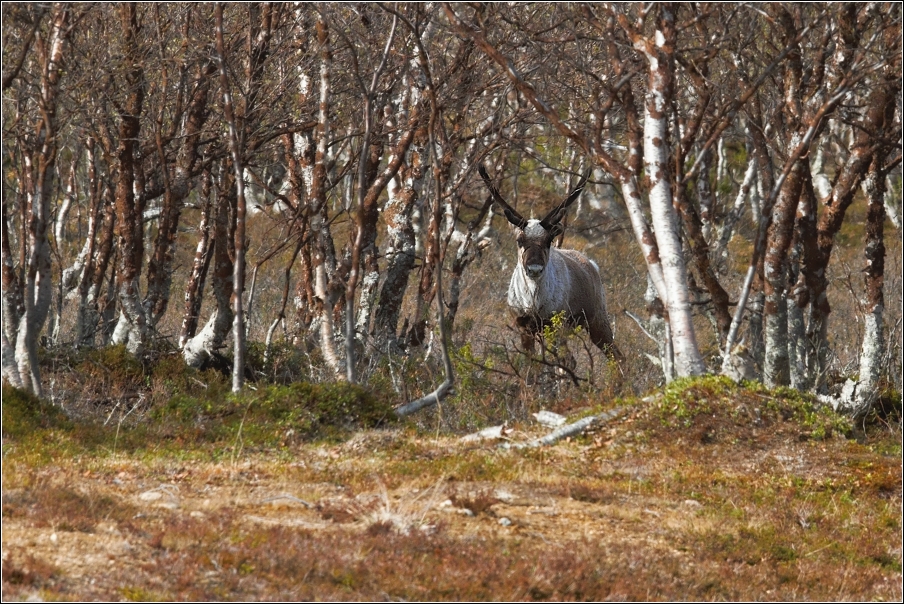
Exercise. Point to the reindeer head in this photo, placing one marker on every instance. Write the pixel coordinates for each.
(534, 237)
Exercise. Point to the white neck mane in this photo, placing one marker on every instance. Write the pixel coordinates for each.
(545, 295)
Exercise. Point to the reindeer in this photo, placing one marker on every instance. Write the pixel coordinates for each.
(548, 280)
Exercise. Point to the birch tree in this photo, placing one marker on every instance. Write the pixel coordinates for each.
(27, 289)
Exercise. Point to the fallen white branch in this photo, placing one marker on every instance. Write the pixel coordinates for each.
(549, 419)
(577, 427)
(490, 433)
(426, 401)
(289, 497)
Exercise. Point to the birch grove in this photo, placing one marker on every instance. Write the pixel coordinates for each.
(330, 152)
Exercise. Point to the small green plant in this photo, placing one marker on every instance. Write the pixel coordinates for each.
(558, 331)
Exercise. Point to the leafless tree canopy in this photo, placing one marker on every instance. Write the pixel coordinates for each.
(219, 176)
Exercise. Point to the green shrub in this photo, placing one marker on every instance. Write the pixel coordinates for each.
(275, 414)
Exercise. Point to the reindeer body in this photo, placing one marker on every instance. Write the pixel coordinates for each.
(570, 282)
(548, 281)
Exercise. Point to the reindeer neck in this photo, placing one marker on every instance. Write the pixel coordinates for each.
(527, 296)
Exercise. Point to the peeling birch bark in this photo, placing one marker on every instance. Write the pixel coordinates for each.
(659, 332)
(324, 257)
(129, 205)
(92, 282)
(39, 158)
(400, 250)
(194, 289)
(8, 362)
(797, 343)
(858, 396)
(176, 188)
(705, 195)
(776, 368)
(198, 349)
(665, 221)
(728, 224)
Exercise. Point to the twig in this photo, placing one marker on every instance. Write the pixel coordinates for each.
(640, 324)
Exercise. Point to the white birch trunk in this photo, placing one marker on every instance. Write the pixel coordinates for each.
(776, 370)
(8, 362)
(797, 346)
(892, 201)
(321, 281)
(238, 277)
(665, 222)
(821, 183)
(659, 330)
(737, 210)
(132, 326)
(643, 234)
(199, 349)
(327, 330)
(858, 396)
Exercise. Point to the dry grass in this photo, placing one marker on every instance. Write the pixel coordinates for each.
(708, 491)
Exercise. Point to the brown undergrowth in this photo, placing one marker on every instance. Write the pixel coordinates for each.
(705, 490)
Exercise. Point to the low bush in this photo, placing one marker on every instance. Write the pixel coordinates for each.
(24, 414)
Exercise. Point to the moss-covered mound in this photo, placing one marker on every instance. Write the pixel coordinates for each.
(277, 414)
(715, 409)
(25, 414)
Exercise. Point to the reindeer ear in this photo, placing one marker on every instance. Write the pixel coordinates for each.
(556, 230)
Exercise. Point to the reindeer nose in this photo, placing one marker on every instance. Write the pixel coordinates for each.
(534, 270)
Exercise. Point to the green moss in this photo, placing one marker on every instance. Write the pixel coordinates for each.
(686, 398)
(803, 408)
(275, 414)
(751, 545)
(25, 414)
(139, 594)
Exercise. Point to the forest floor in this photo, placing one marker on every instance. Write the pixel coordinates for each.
(708, 491)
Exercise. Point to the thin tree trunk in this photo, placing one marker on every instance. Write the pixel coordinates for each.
(87, 257)
(39, 161)
(729, 222)
(706, 197)
(859, 395)
(198, 349)
(803, 254)
(776, 370)
(665, 222)
(324, 257)
(400, 252)
(13, 305)
(176, 188)
(238, 276)
(129, 206)
(369, 217)
(194, 289)
(445, 387)
(659, 330)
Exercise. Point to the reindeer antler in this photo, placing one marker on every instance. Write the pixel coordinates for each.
(556, 215)
(513, 216)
